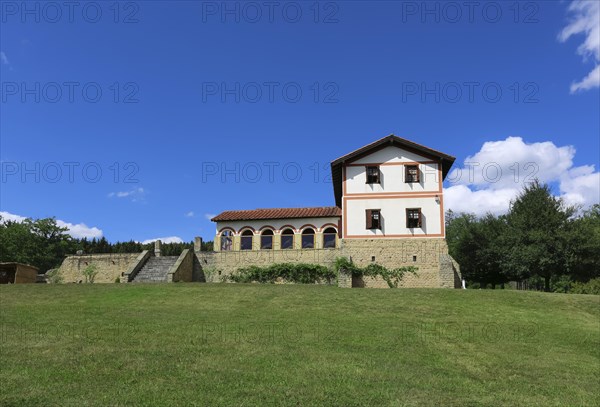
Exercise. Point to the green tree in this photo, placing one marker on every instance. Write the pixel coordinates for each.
(584, 245)
(478, 246)
(537, 238)
(41, 243)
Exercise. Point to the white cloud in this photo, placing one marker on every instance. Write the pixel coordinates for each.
(507, 164)
(190, 214)
(585, 19)
(209, 216)
(496, 174)
(169, 239)
(581, 186)
(3, 59)
(589, 82)
(136, 194)
(79, 230)
(6, 216)
(461, 198)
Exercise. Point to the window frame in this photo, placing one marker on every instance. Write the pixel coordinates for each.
(410, 218)
(329, 234)
(373, 178)
(412, 178)
(226, 236)
(267, 233)
(370, 217)
(282, 234)
(244, 236)
(313, 235)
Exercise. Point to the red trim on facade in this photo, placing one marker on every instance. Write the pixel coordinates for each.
(329, 225)
(301, 229)
(284, 227)
(266, 227)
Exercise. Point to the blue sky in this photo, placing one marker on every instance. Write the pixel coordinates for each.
(161, 97)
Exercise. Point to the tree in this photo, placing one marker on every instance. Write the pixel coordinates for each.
(477, 245)
(41, 243)
(584, 245)
(537, 239)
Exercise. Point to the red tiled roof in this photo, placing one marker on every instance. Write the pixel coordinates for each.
(279, 213)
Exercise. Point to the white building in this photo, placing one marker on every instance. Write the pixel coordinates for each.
(389, 210)
(389, 189)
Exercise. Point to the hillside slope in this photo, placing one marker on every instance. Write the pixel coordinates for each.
(233, 344)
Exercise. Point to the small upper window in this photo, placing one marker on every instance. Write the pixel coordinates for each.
(412, 173)
(373, 219)
(413, 218)
(373, 174)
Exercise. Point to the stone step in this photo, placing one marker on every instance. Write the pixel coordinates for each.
(155, 270)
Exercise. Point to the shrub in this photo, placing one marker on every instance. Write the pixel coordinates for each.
(591, 287)
(302, 273)
(391, 277)
(53, 276)
(90, 273)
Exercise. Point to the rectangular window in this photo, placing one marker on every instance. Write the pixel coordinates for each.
(308, 241)
(266, 242)
(246, 243)
(413, 218)
(373, 174)
(329, 240)
(287, 241)
(411, 174)
(373, 219)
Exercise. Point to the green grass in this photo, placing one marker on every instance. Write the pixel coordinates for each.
(234, 344)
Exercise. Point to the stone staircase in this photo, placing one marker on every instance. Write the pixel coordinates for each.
(155, 270)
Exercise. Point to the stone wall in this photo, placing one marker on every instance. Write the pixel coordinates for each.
(182, 270)
(109, 267)
(393, 253)
(216, 266)
(435, 267)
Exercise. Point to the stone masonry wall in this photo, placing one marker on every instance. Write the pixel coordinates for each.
(425, 254)
(109, 266)
(393, 253)
(216, 266)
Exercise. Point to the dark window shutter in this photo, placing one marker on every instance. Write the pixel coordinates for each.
(420, 218)
(418, 178)
(379, 175)
(369, 219)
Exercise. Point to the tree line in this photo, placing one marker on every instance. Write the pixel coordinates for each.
(44, 244)
(541, 242)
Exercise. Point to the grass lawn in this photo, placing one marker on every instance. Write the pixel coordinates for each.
(234, 344)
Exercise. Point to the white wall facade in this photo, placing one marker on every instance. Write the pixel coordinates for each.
(392, 196)
(393, 217)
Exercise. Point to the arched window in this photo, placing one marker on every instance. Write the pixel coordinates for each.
(266, 240)
(287, 239)
(329, 236)
(226, 240)
(246, 241)
(308, 238)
